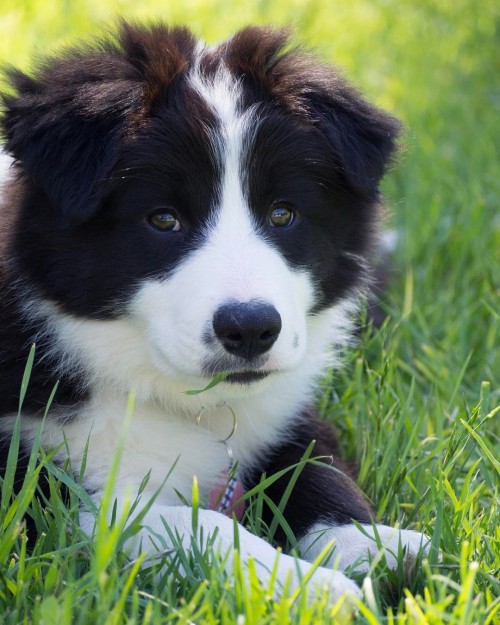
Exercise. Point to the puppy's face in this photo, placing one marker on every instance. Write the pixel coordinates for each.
(216, 204)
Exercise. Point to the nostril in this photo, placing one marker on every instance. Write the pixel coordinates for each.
(234, 339)
(268, 336)
(247, 329)
(265, 336)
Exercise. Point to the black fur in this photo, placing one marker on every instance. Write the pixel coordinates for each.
(325, 490)
(104, 135)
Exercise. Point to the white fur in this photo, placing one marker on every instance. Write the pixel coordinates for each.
(356, 547)
(5, 163)
(251, 548)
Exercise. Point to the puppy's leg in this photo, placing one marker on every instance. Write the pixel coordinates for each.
(215, 526)
(356, 547)
(325, 501)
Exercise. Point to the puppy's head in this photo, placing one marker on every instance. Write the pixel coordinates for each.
(218, 202)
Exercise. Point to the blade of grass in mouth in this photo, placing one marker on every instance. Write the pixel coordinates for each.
(217, 379)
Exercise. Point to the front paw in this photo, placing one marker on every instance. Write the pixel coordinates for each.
(336, 584)
(295, 576)
(391, 540)
(355, 547)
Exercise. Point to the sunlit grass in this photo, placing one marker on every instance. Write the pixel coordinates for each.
(415, 404)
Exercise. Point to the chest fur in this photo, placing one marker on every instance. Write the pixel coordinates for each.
(148, 441)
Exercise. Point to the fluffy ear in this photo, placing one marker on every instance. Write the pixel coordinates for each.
(64, 125)
(362, 137)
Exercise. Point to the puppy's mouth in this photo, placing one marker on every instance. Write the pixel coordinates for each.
(246, 377)
(235, 372)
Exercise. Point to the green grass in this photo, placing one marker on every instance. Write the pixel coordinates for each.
(416, 404)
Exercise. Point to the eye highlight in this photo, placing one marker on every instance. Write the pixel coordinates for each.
(164, 220)
(281, 216)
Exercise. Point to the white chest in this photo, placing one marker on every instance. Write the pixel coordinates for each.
(170, 450)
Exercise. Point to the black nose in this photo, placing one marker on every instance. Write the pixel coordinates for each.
(247, 329)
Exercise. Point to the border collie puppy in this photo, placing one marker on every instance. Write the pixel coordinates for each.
(173, 212)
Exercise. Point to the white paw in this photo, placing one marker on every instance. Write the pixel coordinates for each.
(335, 583)
(355, 547)
(390, 540)
(300, 575)
(274, 569)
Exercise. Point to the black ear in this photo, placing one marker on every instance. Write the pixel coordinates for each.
(63, 127)
(362, 137)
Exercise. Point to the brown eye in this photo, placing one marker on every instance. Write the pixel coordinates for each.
(281, 216)
(164, 220)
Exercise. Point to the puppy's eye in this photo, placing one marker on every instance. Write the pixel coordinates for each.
(164, 220)
(281, 216)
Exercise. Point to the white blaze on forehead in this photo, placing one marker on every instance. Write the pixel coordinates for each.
(222, 92)
(243, 265)
(230, 140)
